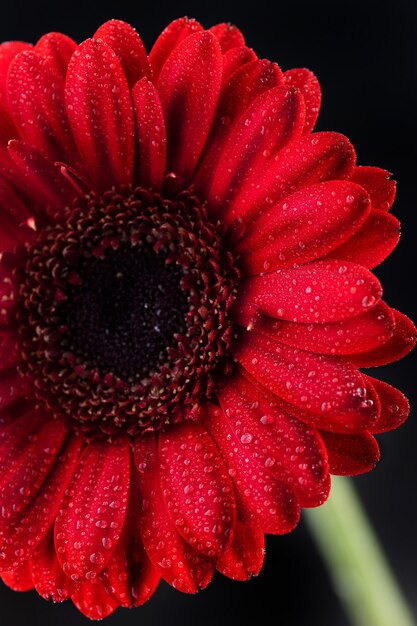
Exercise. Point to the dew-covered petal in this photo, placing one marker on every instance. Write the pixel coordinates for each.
(373, 242)
(150, 135)
(395, 407)
(378, 184)
(99, 108)
(243, 558)
(356, 334)
(169, 39)
(304, 227)
(286, 447)
(350, 455)
(330, 390)
(401, 343)
(189, 86)
(19, 579)
(36, 96)
(307, 83)
(234, 58)
(324, 291)
(49, 578)
(273, 120)
(93, 601)
(23, 531)
(126, 43)
(8, 51)
(262, 500)
(58, 50)
(308, 160)
(197, 488)
(228, 36)
(177, 562)
(91, 517)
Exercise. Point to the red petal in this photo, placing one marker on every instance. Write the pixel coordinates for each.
(286, 447)
(91, 517)
(189, 87)
(357, 334)
(234, 59)
(375, 240)
(99, 108)
(26, 528)
(12, 387)
(178, 563)
(169, 39)
(245, 85)
(150, 135)
(350, 455)
(50, 581)
(243, 558)
(36, 99)
(328, 389)
(126, 43)
(14, 214)
(130, 578)
(378, 184)
(324, 291)
(400, 344)
(93, 601)
(272, 121)
(304, 227)
(394, 406)
(19, 579)
(58, 50)
(308, 160)
(262, 500)
(228, 36)
(307, 83)
(9, 350)
(197, 488)
(8, 51)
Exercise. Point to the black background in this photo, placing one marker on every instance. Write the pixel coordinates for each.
(364, 54)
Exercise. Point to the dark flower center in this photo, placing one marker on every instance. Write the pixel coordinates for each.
(127, 311)
(122, 307)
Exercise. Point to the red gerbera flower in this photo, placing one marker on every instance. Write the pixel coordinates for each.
(186, 302)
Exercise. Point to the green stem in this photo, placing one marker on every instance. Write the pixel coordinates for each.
(360, 572)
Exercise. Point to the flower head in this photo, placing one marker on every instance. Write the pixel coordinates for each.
(186, 300)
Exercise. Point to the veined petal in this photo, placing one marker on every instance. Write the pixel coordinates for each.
(99, 109)
(189, 86)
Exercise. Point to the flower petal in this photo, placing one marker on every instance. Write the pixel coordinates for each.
(197, 488)
(228, 36)
(324, 291)
(394, 406)
(357, 334)
(177, 562)
(36, 98)
(91, 517)
(99, 109)
(234, 59)
(19, 579)
(58, 50)
(150, 135)
(329, 390)
(273, 120)
(93, 601)
(8, 51)
(350, 455)
(286, 447)
(308, 160)
(169, 39)
(304, 227)
(126, 43)
(262, 500)
(307, 83)
(372, 243)
(50, 580)
(189, 110)
(378, 184)
(243, 558)
(401, 343)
